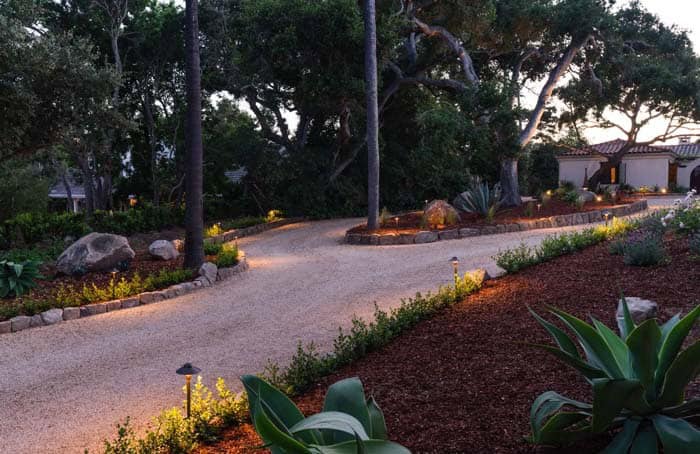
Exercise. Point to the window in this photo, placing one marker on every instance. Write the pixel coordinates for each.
(613, 175)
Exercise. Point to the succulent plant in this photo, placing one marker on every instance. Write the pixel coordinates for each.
(349, 422)
(479, 198)
(638, 380)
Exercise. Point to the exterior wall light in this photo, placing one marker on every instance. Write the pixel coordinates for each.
(188, 370)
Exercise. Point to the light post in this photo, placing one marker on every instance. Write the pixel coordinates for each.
(539, 207)
(606, 216)
(455, 269)
(188, 370)
(598, 198)
(396, 220)
(114, 282)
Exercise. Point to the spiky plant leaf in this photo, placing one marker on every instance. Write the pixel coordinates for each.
(623, 440)
(677, 436)
(672, 345)
(643, 345)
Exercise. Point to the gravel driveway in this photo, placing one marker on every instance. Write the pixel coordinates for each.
(63, 387)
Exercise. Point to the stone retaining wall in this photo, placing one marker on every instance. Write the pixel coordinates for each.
(430, 236)
(53, 316)
(231, 235)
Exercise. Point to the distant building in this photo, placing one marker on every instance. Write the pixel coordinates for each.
(77, 194)
(663, 166)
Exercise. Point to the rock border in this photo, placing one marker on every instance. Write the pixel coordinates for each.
(430, 236)
(57, 315)
(231, 235)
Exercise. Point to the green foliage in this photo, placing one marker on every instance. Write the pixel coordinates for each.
(166, 278)
(523, 256)
(146, 218)
(638, 380)
(571, 197)
(644, 248)
(16, 279)
(228, 256)
(349, 422)
(240, 223)
(175, 434)
(694, 244)
(212, 248)
(308, 365)
(213, 230)
(516, 259)
(23, 188)
(480, 198)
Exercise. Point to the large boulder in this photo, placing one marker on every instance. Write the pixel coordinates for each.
(163, 250)
(209, 271)
(94, 252)
(587, 196)
(439, 212)
(640, 309)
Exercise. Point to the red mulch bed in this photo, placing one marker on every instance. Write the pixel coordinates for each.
(464, 381)
(410, 222)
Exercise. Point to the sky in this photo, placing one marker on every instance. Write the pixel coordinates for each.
(686, 15)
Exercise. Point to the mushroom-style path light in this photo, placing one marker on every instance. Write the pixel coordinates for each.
(606, 216)
(455, 268)
(188, 370)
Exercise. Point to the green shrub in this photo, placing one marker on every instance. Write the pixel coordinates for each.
(554, 246)
(638, 379)
(166, 278)
(274, 215)
(211, 248)
(479, 198)
(643, 248)
(17, 278)
(228, 256)
(617, 247)
(175, 434)
(241, 223)
(571, 197)
(349, 422)
(47, 253)
(694, 243)
(514, 260)
(213, 230)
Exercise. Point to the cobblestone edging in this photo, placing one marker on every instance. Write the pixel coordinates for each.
(430, 236)
(53, 316)
(231, 235)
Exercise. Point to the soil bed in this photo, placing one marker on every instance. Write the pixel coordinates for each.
(463, 382)
(411, 222)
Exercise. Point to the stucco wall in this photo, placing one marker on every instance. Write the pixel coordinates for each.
(684, 172)
(574, 170)
(646, 171)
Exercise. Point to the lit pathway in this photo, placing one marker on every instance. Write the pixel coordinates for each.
(63, 387)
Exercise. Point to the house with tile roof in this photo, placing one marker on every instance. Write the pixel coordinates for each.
(663, 166)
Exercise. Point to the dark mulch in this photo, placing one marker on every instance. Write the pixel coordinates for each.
(464, 381)
(411, 222)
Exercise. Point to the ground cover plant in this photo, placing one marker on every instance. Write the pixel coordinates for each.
(472, 364)
(305, 369)
(639, 381)
(521, 257)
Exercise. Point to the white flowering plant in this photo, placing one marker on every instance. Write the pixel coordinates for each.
(684, 215)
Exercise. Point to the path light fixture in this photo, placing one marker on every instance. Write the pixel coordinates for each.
(539, 207)
(455, 269)
(114, 282)
(549, 192)
(132, 200)
(188, 370)
(396, 220)
(585, 188)
(598, 198)
(664, 190)
(606, 216)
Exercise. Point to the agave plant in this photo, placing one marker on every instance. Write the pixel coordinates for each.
(479, 198)
(348, 424)
(638, 379)
(17, 278)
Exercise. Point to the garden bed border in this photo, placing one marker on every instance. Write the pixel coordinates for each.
(56, 315)
(430, 236)
(231, 235)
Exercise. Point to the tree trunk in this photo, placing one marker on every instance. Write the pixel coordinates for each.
(597, 177)
(510, 191)
(194, 209)
(372, 116)
(87, 184)
(152, 144)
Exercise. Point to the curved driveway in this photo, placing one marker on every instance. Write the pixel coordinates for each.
(63, 387)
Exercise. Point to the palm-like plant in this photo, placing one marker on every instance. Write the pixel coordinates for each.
(479, 198)
(348, 424)
(638, 378)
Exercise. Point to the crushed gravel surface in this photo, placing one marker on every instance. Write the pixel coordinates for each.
(63, 387)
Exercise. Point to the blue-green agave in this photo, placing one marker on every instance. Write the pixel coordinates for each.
(17, 278)
(638, 379)
(348, 424)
